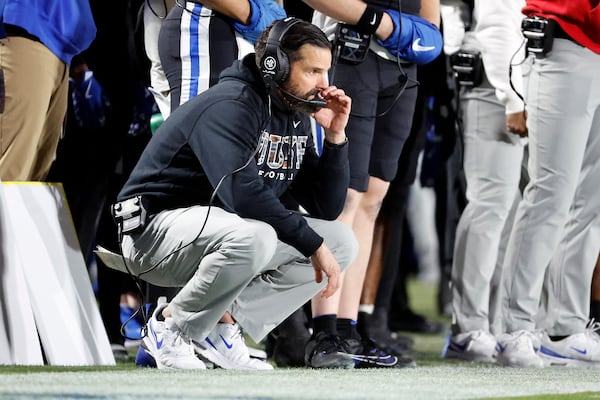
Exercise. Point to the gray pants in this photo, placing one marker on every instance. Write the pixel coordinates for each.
(557, 225)
(231, 264)
(492, 166)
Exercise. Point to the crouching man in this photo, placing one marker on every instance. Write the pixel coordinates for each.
(202, 209)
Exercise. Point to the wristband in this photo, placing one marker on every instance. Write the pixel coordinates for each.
(370, 20)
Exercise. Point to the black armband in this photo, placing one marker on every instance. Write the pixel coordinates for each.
(370, 20)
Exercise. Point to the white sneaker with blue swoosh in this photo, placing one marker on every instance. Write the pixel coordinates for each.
(478, 346)
(169, 347)
(225, 346)
(520, 349)
(578, 350)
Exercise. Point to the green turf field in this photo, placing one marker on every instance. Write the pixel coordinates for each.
(434, 378)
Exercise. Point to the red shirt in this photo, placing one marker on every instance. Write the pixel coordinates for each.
(579, 18)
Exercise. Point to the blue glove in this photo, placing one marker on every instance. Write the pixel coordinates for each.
(414, 39)
(262, 13)
(90, 103)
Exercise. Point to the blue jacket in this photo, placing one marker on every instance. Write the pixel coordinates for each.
(66, 27)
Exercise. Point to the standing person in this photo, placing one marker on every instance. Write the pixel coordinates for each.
(557, 225)
(494, 120)
(198, 39)
(40, 40)
(215, 224)
(154, 13)
(378, 127)
(385, 304)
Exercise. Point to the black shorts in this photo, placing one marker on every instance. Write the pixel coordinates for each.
(375, 144)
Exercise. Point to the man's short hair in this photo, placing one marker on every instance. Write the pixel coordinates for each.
(298, 34)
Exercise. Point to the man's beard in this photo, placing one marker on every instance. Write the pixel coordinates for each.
(296, 104)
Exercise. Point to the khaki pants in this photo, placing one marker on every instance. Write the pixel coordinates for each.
(35, 103)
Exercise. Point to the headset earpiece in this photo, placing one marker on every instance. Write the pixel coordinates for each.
(275, 64)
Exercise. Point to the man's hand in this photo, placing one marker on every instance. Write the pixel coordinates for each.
(334, 117)
(515, 123)
(324, 263)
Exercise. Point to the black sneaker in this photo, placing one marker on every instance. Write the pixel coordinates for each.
(289, 351)
(366, 354)
(375, 327)
(327, 351)
(289, 340)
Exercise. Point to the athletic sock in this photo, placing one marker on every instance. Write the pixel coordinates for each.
(325, 323)
(347, 328)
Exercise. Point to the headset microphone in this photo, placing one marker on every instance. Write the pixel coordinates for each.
(303, 105)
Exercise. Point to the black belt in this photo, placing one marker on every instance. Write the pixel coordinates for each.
(560, 33)
(14, 30)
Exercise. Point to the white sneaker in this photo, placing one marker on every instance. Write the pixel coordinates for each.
(169, 347)
(225, 346)
(578, 350)
(519, 349)
(476, 345)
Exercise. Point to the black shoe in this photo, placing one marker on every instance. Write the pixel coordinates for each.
(289, 351)
(375, 327)
(408, 321)
(327, 351)
(366, 354)
(393, 346)
(288, 341)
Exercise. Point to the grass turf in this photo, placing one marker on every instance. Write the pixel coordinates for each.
(434, 378)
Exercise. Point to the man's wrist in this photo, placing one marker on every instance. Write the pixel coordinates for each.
(370, 20)
(337, 140)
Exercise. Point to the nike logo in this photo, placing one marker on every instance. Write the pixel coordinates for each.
(417, 47)
(158, 342)
(372, 22)
(229, 346)
(582, 352)
(386, 361)
(296, 123)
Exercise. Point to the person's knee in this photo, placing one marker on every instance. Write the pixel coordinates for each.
(259, 242)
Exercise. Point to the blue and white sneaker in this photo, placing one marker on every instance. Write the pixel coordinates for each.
(225, 347)
(143, 358)
(478, 346)
(168, 346)
(578, 350)
(520, 349)
(366, 354)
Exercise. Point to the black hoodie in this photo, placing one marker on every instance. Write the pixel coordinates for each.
(211, 137)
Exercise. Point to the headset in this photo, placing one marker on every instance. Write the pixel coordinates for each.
(275, 63)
